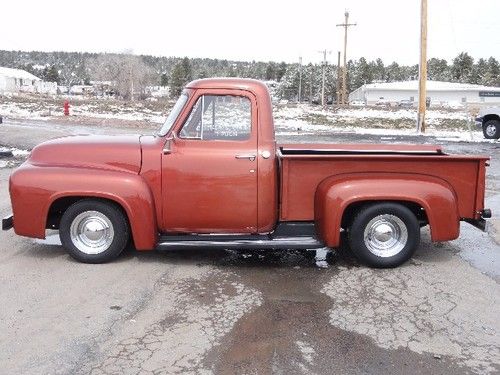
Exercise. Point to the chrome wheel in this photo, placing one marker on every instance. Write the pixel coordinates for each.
(92, 232)
(385, 235)
(490, 130)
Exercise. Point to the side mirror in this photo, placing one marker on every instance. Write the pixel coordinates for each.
(167, 148)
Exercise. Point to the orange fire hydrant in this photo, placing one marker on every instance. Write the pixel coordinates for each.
(66, 108)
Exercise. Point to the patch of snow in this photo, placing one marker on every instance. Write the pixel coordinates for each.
(304, 118)
(307, 351)
(17, 152)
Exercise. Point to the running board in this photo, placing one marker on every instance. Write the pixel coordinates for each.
(230, 242)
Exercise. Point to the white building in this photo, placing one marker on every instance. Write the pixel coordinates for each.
(16, 80)
(440, 93)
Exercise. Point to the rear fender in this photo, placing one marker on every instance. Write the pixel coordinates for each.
(34, 189)
(335, 194)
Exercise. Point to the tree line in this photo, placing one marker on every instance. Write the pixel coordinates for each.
(130, 74)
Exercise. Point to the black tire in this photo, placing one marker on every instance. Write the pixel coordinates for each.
(107, 211)
(393, 256)
(491, 129)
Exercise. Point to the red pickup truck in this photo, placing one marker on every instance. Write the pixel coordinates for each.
(215, 177)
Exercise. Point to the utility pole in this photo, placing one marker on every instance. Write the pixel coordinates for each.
(338, 79)
(311, 85)
(131, 84)
(324, 52)
(345, 25)
(422, 71)
(300, 79)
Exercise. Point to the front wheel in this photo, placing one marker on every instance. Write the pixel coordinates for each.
(94, 231)
(491, 129)
(384, 234)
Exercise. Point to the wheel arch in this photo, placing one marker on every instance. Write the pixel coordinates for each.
(34, 189)
(490, 116)
(417, 209)
(431, 199)
(142, 227)
(59, 206)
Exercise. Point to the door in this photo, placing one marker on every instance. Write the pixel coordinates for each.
(209, 178)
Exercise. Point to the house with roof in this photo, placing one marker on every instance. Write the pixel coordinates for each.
(17, 80)
(440, 93)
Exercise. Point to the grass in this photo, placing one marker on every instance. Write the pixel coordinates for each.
(383, 123)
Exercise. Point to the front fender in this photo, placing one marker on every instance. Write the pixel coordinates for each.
(34, 189)
(336, 193)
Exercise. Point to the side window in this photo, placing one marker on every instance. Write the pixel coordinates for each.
(219, 117)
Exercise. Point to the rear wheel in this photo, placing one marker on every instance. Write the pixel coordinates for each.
(94, 231)
(491, 129)
(384, 234)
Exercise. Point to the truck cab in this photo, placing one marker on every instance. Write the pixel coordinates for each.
(219, 169)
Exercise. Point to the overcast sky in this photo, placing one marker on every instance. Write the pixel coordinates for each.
(252, 29)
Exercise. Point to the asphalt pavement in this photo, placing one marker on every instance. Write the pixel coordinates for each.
(221, 312)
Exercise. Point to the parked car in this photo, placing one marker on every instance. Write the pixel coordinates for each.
(214, 177)
(357, 103)
(382, 103)
(405, 103)
(489, 121)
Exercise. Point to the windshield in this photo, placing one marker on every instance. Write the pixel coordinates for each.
(176, 110)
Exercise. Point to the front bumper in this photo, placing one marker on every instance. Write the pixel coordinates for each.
(479, 122)
(7, 222)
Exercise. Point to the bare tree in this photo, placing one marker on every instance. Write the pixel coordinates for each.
(127, 74)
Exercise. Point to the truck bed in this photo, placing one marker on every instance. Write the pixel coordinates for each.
(303, 167)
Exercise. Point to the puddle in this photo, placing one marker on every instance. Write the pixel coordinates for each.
(320, 257)
(290, 332)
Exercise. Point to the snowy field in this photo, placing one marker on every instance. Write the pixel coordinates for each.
(45, 108)
(445, 124)
(449, 125)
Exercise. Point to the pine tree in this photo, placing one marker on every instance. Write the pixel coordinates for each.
(361, 74)
(492, 76)
(270, 71)
(181, 75)
(280, 72)
(379, 70)
(462, 67)
(478, 72)
(394, 73)
(438, 70)
(164, 79)
(50, 74)
(288, 87)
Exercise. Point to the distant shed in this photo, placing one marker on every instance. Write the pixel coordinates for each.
(440, 93)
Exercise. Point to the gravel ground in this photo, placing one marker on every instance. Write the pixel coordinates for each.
(208, 311)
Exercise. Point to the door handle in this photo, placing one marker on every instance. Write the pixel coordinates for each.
(250, 157)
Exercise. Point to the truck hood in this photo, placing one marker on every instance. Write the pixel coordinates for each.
(122, 152)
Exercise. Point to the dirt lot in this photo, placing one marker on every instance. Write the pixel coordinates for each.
(208, 311)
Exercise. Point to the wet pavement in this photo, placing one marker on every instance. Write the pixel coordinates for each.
(224, 312)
